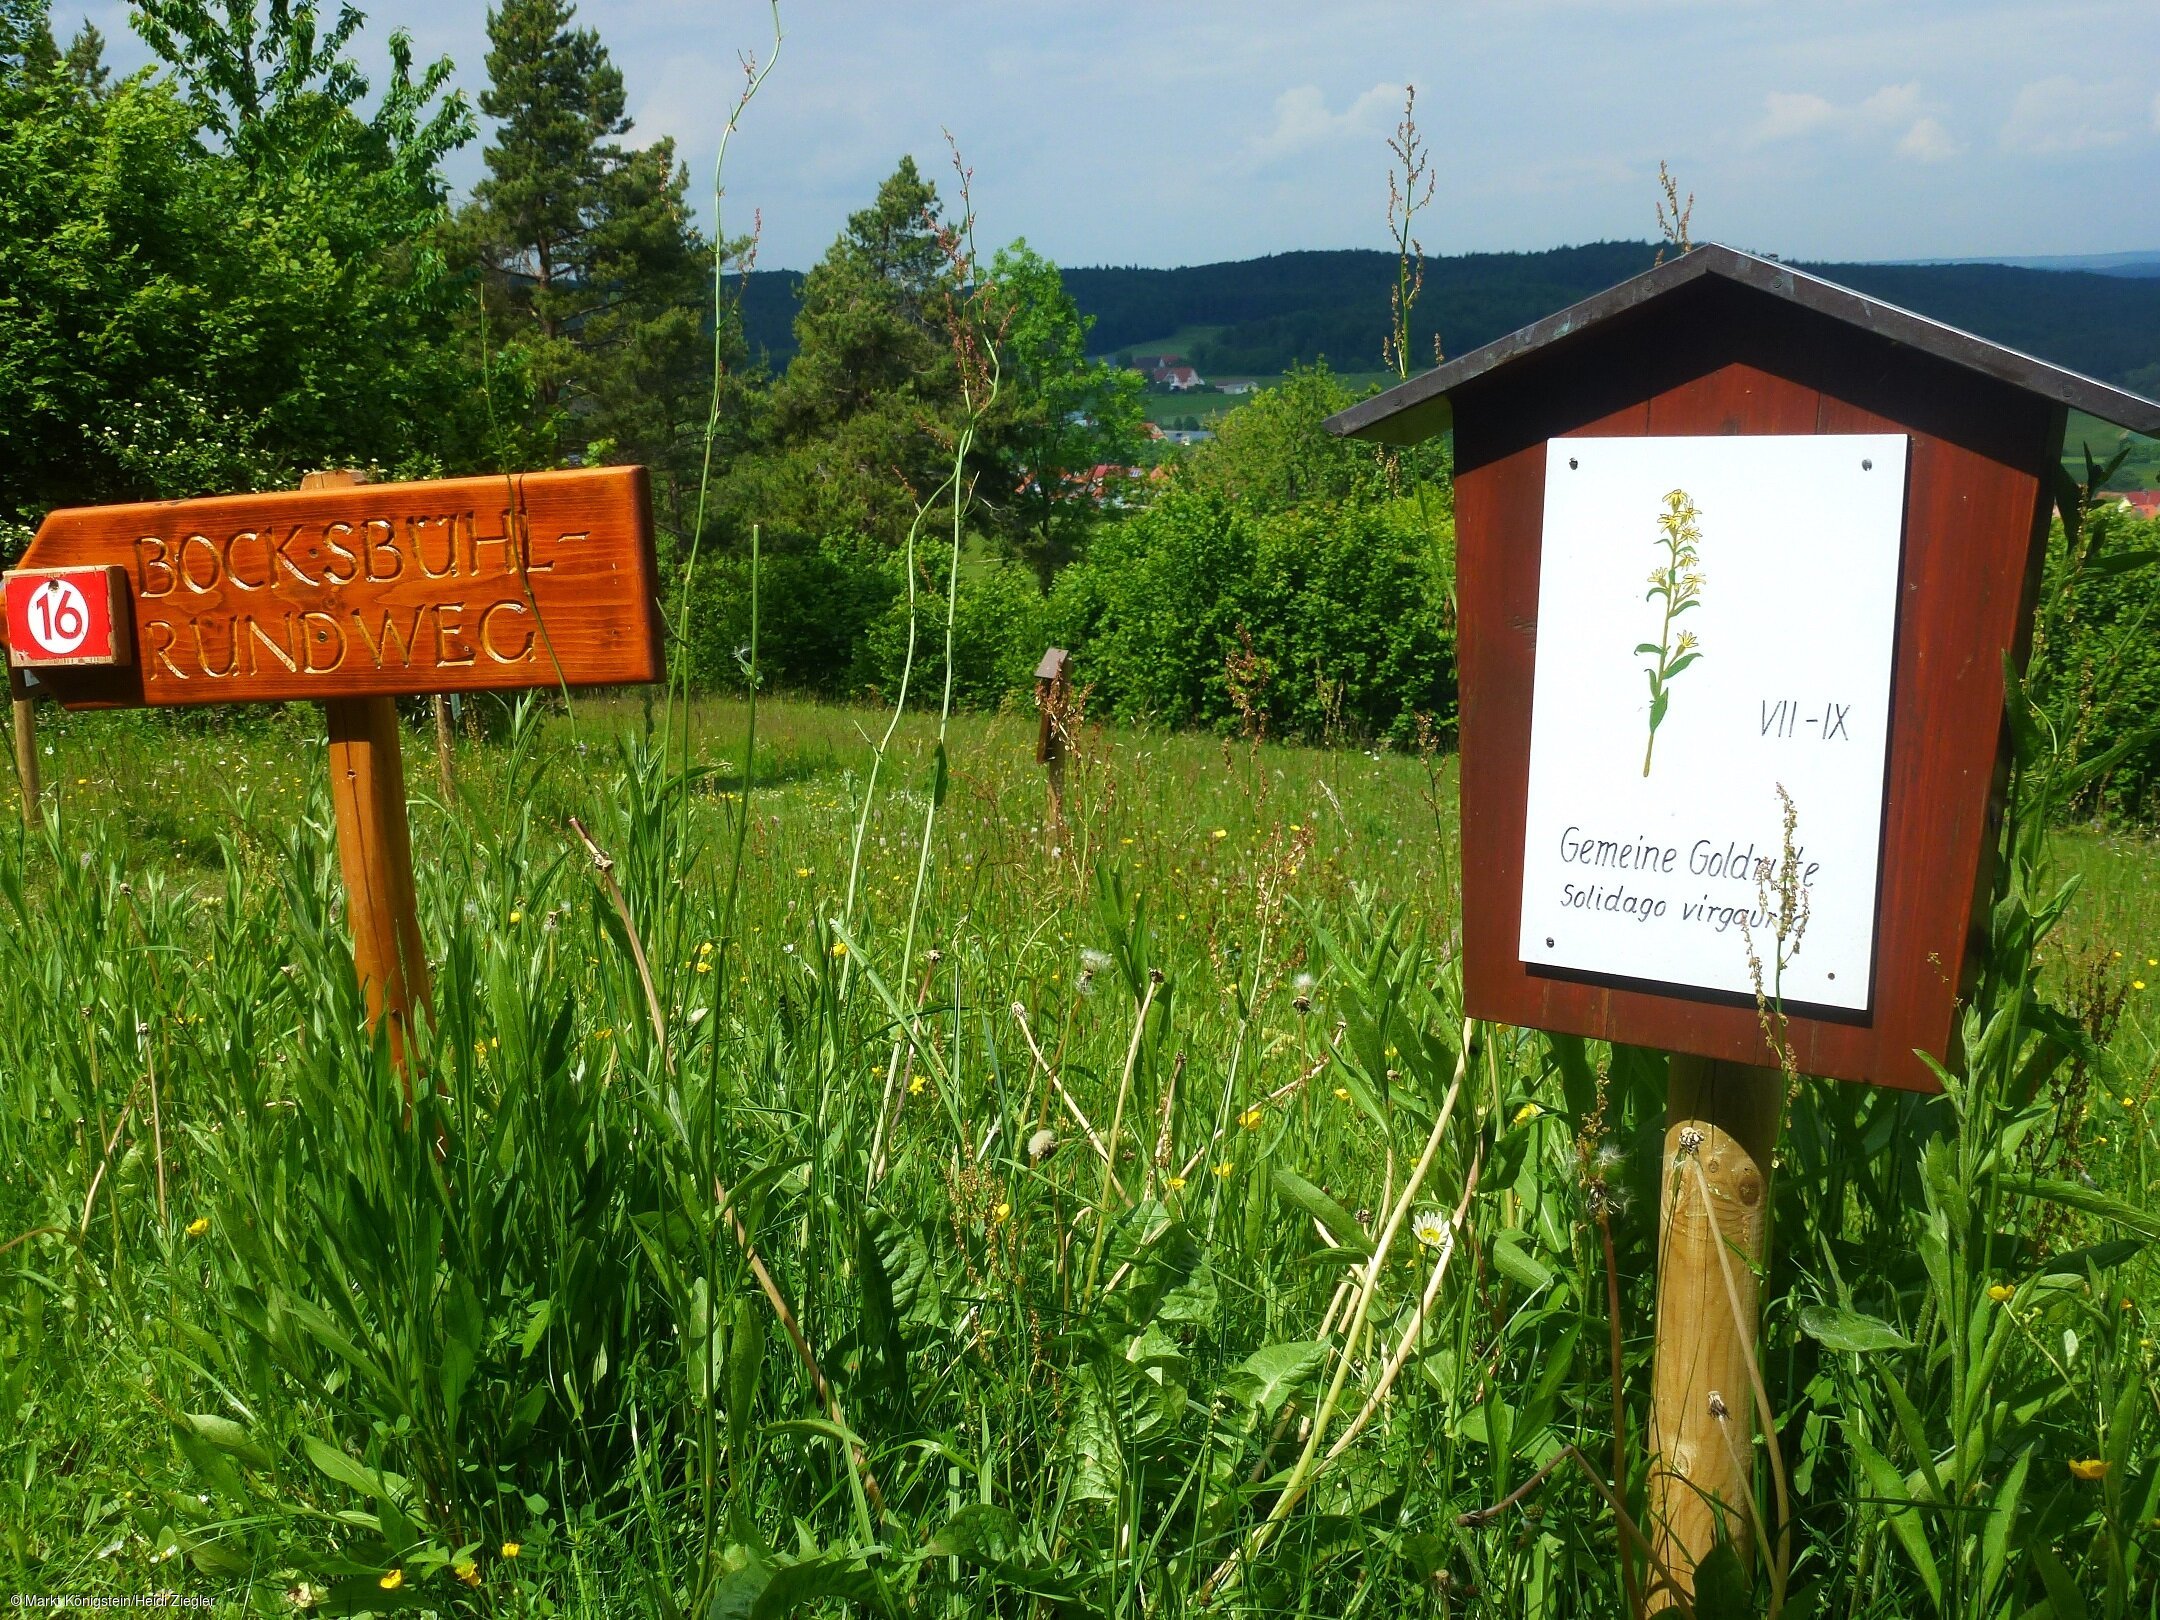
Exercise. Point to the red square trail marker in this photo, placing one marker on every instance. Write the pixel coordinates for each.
(1838, 510)
(57, 617)
(351, 594)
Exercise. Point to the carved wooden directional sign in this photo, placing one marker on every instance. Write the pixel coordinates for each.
(469, 584)
(352, 594)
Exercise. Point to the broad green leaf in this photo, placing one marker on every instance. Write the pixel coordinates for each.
(1270, 1376)
(1721, 1584)
(2062, 1590)
(1342, 1226)
(2001, 1519)
(835, 1574)
(1886, 1484)
(1513, 1260)
(228, 1436)
(2089, 1200)
(332, 1463)
(979, 1533)
(1837, 1329)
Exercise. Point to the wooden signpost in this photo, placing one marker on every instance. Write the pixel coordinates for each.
(352, 595)
(1053, 695)
(1779, 538)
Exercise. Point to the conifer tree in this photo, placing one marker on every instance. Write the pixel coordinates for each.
(596, 272)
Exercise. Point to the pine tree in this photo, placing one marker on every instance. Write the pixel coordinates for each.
(85, 60)
(596, 272)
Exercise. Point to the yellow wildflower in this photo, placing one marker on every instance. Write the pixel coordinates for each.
(512, 1548)
(1174, 1183)
(515, 917)
(838, 949)
(2088, 1468)
(2137, 984)
(1222, 832)
(802, 871)
(392, 1581)
(1001, 1214)
(1999, 1292)
(467, 1571)
(1527, 1112)
(1252, 1117)
(705, 948)
(198, 1226)
(704, 967)
(915, 1086)
(1342, 1093)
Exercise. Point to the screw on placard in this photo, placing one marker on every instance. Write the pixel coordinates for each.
(1866, 465)
(1548, 942)
(1572, 462)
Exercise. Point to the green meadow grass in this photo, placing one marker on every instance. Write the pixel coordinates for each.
(273, 1334)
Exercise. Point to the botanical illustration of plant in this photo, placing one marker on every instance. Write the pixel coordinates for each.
(1679, 581)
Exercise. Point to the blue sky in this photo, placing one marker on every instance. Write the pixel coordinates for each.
(1163, 134)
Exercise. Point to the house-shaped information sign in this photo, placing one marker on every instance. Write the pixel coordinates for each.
(1724, 530)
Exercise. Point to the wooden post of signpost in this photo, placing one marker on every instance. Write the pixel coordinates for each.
(1053, 692)
(367, 789)
(1721, 1120)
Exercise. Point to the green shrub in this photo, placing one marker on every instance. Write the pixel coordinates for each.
(1338, 616)
(814, 611)
(1000, 626)
(2096, 659)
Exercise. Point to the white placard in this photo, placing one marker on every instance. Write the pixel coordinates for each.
(1641, 849)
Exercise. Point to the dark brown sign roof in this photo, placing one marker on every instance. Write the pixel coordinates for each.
(1419, 408)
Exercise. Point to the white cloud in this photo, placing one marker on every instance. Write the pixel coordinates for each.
(1793, 115)
(1899, 109)
(1302, 119)
(1928, 142)
(2057, 114)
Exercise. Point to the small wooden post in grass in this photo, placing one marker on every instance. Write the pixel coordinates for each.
(1053, 694)
(26, 756)
(1722, 1118)
(352, 595)
(443, 761)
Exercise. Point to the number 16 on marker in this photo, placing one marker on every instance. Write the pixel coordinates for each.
(67, 616)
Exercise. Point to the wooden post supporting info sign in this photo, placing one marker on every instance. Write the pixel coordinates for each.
(352, 595)
(1735, 543)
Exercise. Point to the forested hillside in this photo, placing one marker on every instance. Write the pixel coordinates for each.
(1259, 317)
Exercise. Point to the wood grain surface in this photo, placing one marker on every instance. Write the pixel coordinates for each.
(1720, 359)
(457, 585)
